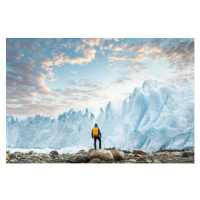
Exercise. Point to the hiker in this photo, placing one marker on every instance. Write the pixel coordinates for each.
(96, 133)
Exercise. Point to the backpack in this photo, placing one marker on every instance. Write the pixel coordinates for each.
(95, 131)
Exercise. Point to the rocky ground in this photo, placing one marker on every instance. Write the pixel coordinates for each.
(103, 156)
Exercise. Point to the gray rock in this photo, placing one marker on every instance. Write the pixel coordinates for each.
(53, 154)
(187, 154)
(127, 158)
(47, 156)
(78, 158)
(12, 156)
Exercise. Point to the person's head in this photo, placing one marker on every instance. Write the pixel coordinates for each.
(95, 125)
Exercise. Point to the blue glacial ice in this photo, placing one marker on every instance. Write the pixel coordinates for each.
(155, 117)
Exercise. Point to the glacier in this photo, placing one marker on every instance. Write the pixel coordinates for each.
(157, 116)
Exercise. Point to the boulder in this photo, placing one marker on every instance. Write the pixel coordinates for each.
(95, 160)
(139, 151)
(8, 152)
(78, 158)
(188, 153)
(117, 154)
(102, 154)
(53, 154)
(90, 150)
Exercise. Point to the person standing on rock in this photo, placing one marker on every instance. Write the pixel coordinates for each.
(96, 134)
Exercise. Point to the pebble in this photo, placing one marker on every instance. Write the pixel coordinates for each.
(176, 153)
(157, 161)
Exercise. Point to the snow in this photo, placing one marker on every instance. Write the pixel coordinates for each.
(155, 117)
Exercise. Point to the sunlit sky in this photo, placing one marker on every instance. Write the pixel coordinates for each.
(51, 76)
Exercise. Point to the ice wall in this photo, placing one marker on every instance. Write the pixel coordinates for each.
(156, 116)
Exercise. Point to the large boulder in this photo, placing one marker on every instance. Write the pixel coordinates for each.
(102, 154)
(117, 154)
(78, 158)
(139, 151)
(90, 150)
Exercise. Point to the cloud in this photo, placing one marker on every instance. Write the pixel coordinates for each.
(123, 80)
(124, 45)
(142, 47)
(135, 65)
(52, 79)
(91, 41)
(110, 46)
(140, 57)
(89, 55)
(87, 83)
(178, 52)
(180, 55)
(128, 77)
(115, 68)
(25, 80)
(116, 48)
(131, 47)
(116, 39)
(27, 44)
(117, 57)
(13, 56)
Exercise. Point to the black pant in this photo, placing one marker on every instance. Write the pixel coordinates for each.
(95, 139)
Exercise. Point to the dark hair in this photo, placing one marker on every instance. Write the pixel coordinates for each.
(95, 124)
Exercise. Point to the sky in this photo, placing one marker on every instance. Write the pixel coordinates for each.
(50, 76)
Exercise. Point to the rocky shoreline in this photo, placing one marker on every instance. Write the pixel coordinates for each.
(104, 156)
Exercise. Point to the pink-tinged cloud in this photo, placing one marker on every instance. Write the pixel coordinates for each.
(131, 47)
(117, 57)
(91, 41)
(89, 55)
